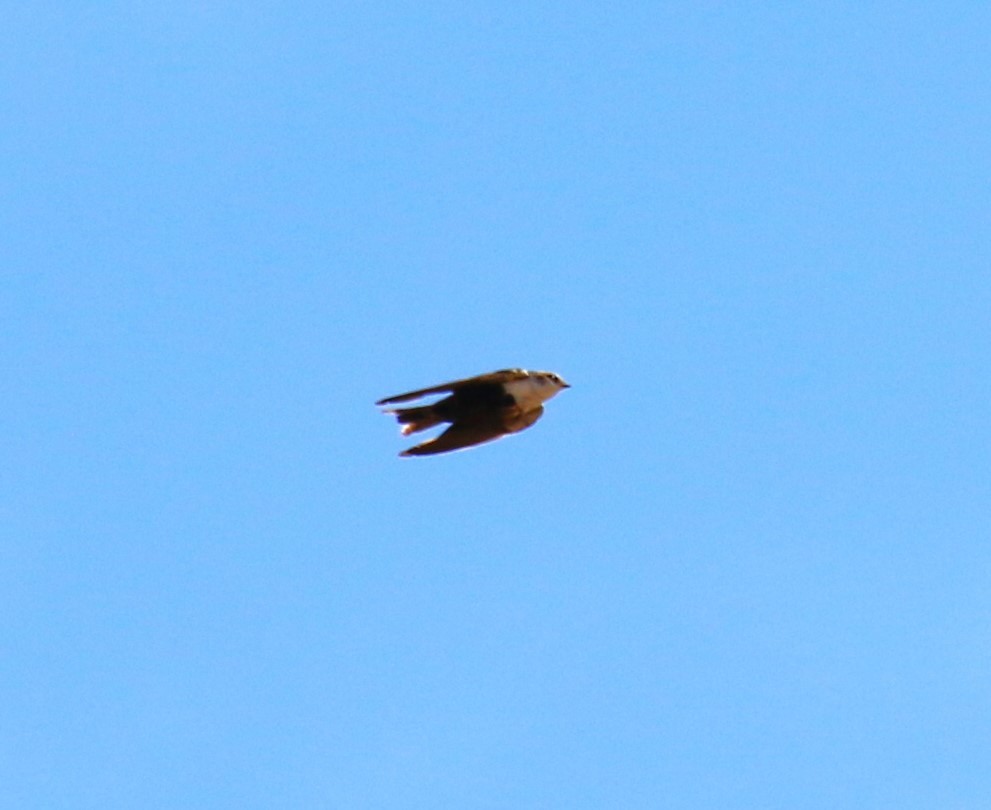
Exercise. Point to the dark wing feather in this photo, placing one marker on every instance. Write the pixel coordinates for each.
(469, 432)
(458, 436)
(493, 377)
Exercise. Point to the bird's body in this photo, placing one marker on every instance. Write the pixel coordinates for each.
(479, 409)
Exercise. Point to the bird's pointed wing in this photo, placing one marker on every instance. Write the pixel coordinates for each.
(494, 377)
(458, 436)
(477, 431)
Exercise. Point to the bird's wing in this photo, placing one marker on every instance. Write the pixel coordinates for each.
(506, 375)
(469, 432)
(458, 436)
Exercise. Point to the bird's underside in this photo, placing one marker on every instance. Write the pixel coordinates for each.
(479, 409)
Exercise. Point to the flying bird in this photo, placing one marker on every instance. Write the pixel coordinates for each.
(479, 409)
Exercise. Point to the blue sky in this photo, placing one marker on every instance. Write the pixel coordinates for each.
(743, 563)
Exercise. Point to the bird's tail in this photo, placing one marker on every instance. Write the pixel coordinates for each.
(414, 420)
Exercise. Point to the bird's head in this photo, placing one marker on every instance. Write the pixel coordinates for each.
(550, 381)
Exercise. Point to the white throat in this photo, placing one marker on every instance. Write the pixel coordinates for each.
(531, 392)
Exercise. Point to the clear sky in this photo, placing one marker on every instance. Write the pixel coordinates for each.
(744, 562)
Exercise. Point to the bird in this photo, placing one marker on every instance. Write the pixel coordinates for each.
(479, 409)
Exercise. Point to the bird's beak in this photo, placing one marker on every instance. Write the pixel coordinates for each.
(565, 385)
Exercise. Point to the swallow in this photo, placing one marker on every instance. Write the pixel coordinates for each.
(479, 409)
